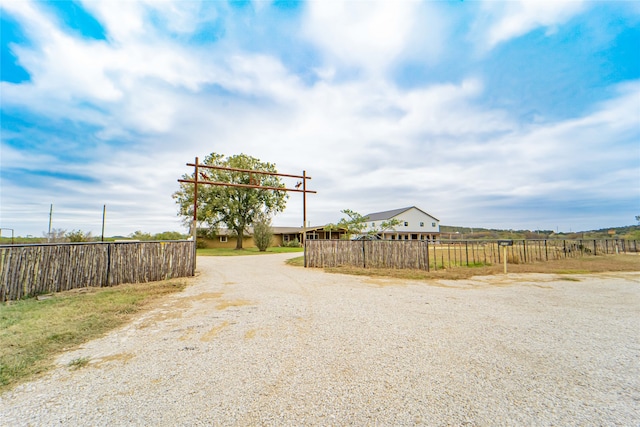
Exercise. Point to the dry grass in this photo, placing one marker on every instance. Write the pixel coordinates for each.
(584, 265)
(33, 331)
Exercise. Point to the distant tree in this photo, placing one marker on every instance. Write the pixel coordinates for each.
(237, 208)
(387, 225)
(638, 219)
(355, 223)
(262, 232)
(140, 235)
(57, 235)
(79, 236)
(169, 235)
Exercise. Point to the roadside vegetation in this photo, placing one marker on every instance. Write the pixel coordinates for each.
(246, 251)
(584, 265)
(631, 232)
(33, 331)
(59, 235)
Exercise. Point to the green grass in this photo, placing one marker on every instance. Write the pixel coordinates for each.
(296, 262)
(33, 332)
(78, 363)
(246, 251)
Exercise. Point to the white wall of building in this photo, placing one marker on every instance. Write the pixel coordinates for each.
(411, 221)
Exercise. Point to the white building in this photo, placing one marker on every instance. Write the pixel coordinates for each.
(414, 224)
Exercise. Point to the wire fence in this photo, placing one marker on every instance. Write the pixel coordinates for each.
(425, 255)
(28, 270)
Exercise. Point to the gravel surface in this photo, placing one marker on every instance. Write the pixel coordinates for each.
(255, 342)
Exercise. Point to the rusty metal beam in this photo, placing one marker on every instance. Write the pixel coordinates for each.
(228, 184)
(248, 171)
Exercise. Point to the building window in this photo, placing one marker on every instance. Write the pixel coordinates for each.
(406, 224)
(433, 224)
(373, 224)
(223, 239)
(421, 224)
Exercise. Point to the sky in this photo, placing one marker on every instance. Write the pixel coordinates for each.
(512, 115)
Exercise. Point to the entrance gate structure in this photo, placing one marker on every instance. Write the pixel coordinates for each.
(253, 183)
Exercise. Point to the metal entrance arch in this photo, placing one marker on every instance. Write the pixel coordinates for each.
(253, 183)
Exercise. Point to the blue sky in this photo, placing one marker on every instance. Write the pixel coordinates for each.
(519, 114)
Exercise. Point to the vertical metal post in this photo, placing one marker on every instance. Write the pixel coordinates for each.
(195, 200)
(304, 206)
(50, 216)
(546, 252)
(104, 213)
(466, 251)
(194, 231)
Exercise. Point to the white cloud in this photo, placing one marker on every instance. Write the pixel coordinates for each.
(362, 34)
(507, 20)
(368, 144)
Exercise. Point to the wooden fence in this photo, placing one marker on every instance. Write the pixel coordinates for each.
(27, 270)
(452, 253)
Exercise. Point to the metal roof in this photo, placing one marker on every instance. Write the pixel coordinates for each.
(381, 216)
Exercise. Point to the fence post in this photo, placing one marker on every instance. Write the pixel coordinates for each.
(108, 275)
(364, 255)
(466, 249)
(435, 260)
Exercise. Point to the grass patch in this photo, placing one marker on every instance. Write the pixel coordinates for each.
(78, 363)
(33, 332)
(246, 251)
(296, 262)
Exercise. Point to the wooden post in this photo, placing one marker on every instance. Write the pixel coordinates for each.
(504, 256)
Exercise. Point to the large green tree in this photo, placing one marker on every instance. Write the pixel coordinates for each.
(236, 208)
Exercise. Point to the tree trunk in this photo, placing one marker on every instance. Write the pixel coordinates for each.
(240, 233)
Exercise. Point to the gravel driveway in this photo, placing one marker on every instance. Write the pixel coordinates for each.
(255, 342)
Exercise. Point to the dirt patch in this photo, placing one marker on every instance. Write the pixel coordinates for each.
(584, 265)
(119, 357)
(222, 305)
(213, 332)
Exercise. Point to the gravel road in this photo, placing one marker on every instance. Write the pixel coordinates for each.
(255, 342)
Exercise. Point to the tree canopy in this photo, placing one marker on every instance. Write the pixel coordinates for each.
(236, 208)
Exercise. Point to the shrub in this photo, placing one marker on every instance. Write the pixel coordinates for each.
(262, 233)
(78, 236)
(169, 235)
(291, 244)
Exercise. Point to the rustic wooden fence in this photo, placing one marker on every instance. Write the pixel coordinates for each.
(27, 270)
(452, 253)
